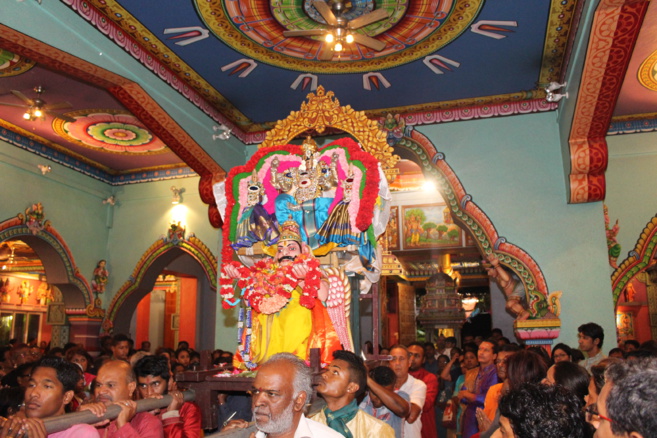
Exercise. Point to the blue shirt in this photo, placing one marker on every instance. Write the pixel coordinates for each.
(385, 414)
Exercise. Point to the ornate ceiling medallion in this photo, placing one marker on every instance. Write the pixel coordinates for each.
(412, 31)
(110, 131)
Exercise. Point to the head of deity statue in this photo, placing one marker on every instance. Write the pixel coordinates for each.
(290, 244)
(255, 190)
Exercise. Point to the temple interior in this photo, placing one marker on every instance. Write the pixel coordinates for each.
(525, 130)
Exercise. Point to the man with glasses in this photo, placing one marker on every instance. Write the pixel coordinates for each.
(626, 406)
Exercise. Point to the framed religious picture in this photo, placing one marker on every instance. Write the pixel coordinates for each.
(392, 229)
(175, 321)
(429, 226)
(56, 314)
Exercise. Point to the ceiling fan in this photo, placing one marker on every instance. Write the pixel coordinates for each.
(339, 31)
(37, 108)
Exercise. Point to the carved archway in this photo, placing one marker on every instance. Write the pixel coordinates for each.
(56, 257)
(323, 111)
(149, 266)
(637, 260)
(470, 216)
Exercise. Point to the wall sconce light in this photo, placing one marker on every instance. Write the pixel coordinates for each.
(552, 95)
(111, 200)
(44, 168)
(225, 132)
(177, 195)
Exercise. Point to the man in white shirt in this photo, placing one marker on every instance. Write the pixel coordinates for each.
(590, 337)
(416, 389)
(279, 395)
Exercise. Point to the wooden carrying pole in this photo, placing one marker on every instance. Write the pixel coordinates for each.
(63, 422)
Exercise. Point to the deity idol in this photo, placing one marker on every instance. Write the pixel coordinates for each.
(283, 297)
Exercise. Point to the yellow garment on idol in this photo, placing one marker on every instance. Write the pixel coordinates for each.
(286, 331)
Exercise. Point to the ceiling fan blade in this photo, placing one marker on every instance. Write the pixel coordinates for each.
(326, 12)
(311, 32)
(22, 97)
(365, 19)
(61, 116)
(14, 104)
(326, 54)
(369, 42)
(60, 105)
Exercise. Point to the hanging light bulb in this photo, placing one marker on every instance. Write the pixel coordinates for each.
(27, 115)
(329, 38)
(38, 112)
(349, 39)
(338, 47)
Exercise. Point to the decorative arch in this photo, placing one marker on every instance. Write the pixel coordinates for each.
(470, 216)
(156, 257)
(323, 111)
(637, 260)
(57, 258)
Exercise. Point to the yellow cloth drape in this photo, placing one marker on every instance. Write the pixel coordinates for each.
(286, 331)
(295, 329)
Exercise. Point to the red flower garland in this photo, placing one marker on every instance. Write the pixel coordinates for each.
(268, 286)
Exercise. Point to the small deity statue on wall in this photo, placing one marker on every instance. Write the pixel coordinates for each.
(511, 286)
(4, 290)
(44, 293)
(24, 291)
(100, 278)
(612, 244)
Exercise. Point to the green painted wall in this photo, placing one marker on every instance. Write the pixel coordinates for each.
(631, 185)
(71, 201)
(95, 231)
(142, 216)
(512, 167)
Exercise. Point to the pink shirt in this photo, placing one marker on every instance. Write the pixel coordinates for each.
(77, 431)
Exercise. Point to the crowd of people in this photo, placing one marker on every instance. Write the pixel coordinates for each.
(39, 382)
(489, 387)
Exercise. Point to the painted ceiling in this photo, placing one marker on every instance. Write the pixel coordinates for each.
(441, 62)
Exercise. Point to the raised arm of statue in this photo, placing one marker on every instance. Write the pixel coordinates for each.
(512, 288)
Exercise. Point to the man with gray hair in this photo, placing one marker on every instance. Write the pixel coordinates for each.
(281, 390)
(627, 401)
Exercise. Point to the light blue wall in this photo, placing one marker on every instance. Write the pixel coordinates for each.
(512, 167)
(631, 185)
(94, 231)
(142, 216)
(71, 201)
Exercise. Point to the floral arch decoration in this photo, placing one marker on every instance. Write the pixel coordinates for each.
(637, 260)
(471, 217)
(32, 227)
(174, 239)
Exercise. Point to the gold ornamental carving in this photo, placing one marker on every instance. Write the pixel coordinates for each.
(323, 111)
